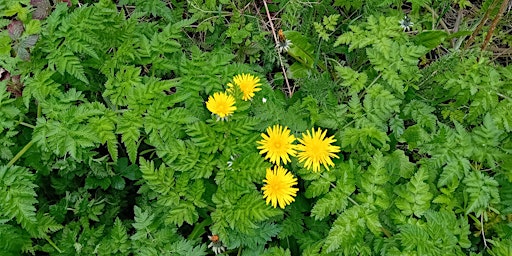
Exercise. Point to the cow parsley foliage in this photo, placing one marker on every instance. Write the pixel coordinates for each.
(177, 128)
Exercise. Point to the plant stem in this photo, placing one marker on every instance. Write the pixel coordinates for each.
(503, 6)
(480, 25)
(20, 153)
(483, 232)
(27, 125)
(53, 244)
(290, 92)
(352, 200)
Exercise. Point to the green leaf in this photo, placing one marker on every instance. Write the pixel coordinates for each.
(129, 128)
(481, 191)
(347, 231)
(18, 196)
(354, 80)
(301, 50)
(414, 197)
(430, 38)
(337, 199)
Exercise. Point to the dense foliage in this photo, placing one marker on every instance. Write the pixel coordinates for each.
(108, 148)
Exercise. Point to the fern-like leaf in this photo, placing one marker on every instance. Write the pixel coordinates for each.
(481, 191)
(414, 196)
(18, 195)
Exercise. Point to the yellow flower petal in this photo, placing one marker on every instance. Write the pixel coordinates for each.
(248, 84)
(277, 145)
(221, 104)
(279, 187)
(316, 150)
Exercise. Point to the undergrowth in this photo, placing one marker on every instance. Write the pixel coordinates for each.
(108, 148)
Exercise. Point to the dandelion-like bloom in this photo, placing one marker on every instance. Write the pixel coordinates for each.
(221, 104)
(315, 149)
(279, 188)
(216, 244)
(277, 144)
(248, 84)
(406, 23)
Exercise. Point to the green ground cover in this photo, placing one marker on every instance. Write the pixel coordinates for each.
(164, 127)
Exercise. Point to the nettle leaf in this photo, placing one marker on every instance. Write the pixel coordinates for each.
(414, 197)
(481, 191)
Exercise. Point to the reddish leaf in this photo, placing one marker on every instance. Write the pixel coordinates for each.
(42, 9)
(15, 87)
(67, 1)
(15, 29)
(29, 41)
(4, 74)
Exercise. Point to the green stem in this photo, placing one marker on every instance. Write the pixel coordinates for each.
(22, 151)
(386, 232)
(53, 244)
(39, 110)
(200, 229)
(27, 125)
(352, 200)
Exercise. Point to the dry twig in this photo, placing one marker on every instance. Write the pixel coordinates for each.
(290, 92)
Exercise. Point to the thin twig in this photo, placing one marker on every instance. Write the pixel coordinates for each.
(441, 21)
(483, 232)
(480, 25)
(455, 41)
(290, 92)
(503, 6)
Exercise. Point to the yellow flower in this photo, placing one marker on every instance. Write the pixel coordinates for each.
(316, 150)
(221, 104)
(279, 187)
(248, 84)
(277, 144)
